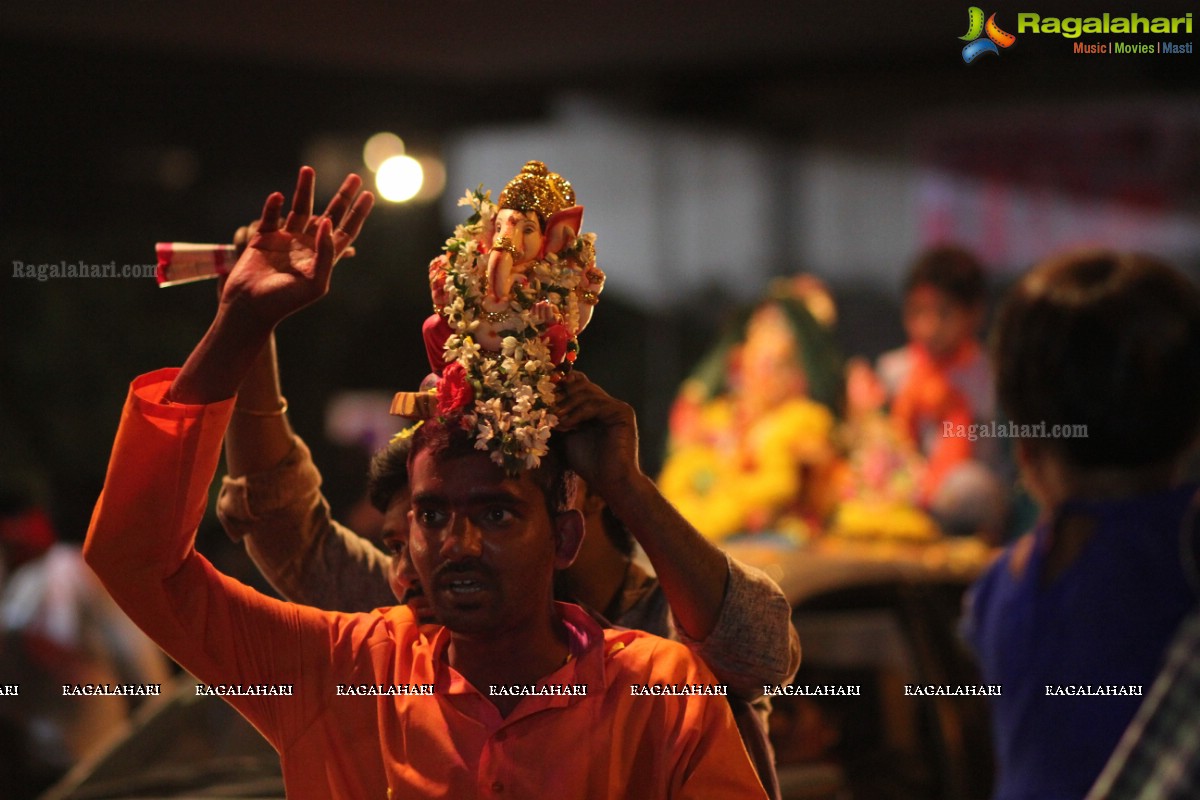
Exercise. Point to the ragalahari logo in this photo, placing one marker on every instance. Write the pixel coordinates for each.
(976, 27)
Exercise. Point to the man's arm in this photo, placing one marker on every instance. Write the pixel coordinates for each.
(259, 435)
(753, 643)
(286, 266)
(141, 546)
(710, 595)
(272, 501)
(141, 540)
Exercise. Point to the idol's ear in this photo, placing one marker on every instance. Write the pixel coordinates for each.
(561, 229)
(568, 536)
(487, 234)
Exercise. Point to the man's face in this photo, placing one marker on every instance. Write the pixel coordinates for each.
(483, 543)
(936, 321)
(523, 230)
(402, 575)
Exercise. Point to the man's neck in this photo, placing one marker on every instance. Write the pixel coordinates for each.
(518, 657)
(598, 572)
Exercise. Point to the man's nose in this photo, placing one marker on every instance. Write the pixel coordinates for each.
(463, 540)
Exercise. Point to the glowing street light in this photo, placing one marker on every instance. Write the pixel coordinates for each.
(399, 178)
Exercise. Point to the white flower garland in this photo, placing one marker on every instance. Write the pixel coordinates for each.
(514, 389)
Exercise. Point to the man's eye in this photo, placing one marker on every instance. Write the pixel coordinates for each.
(394, 547)
(430, 519)
(498, 516)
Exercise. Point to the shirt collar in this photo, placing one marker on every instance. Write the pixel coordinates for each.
(585, 642)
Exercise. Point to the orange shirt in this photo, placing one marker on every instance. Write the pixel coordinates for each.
(448, 744)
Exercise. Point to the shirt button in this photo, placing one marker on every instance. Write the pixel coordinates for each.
(497, 787)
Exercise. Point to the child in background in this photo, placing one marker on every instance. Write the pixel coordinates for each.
(1081, 609)
(942, 378)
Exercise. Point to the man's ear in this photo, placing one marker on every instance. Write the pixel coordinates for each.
(568, 537)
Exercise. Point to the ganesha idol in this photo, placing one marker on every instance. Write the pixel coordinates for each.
(514, 287)
(526, 266)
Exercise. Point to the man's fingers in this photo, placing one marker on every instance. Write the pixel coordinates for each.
(323, 266)
(269, 222)
(580, 401)
(240, 238)
(302, 201)
(573, 413)
(243, 235)
(576, 408)
(352, 224)
(341, 201)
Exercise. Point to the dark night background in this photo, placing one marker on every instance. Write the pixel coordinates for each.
(132, 122)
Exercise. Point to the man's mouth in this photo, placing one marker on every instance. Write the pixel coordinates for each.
(462, 585)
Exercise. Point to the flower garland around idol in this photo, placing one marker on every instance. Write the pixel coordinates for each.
(506, 397)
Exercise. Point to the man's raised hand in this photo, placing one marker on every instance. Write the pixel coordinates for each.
(288, 262)
(601, 435)
(286, 266)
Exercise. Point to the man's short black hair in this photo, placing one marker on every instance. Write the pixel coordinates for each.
(951, 269)
(388, 473)
(448, 438)
(1107, 340)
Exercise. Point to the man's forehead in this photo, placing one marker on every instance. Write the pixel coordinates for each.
(476, 473)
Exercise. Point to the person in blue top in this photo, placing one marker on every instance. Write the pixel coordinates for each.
(1098, 364)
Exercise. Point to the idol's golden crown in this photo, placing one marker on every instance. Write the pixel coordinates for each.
(536, 188)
